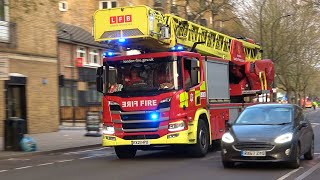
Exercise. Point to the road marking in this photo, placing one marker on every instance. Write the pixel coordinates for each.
(316, 153)
(25, 167)
(67, 160)
(289, 174)
(3, 171)
(78, 152)
(17, 159)
(87, 157)
(45, 164)
(307, 173)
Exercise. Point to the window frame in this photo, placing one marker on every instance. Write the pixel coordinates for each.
(93, 54)
(109, 4)
(79, 51)
(61, 8)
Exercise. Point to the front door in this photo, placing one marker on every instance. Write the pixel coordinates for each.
(16, 102)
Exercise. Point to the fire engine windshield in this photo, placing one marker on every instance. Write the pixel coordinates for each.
(136, 76)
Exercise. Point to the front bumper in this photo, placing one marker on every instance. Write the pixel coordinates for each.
(277, 154)
(180, 137)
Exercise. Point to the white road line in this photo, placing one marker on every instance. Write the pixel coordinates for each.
(289, 174)
(3, 171)
(78, 152)
(316, 153)
(307, 173)
(67, 160)
(45, 164)
(25, 167)
(87, 157)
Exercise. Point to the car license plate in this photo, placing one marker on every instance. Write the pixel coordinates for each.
(253, 153)
(140, 142)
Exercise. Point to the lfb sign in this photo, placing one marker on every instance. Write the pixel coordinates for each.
(120, 19)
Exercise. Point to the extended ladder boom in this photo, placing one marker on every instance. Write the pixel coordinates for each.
(140, 27)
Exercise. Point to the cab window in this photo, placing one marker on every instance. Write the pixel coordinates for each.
(191, 72)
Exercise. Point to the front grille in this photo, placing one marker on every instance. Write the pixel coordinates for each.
(140, 125)
(253, 146)
(131, 32)
(135, 137)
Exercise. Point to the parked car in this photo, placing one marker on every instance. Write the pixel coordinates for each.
(268, 133)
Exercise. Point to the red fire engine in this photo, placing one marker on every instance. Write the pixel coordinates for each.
(187, 82)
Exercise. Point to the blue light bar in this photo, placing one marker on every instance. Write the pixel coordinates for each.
(173, 48)
(180, 48)
(122, 40)
(110, 53)
(154, 116)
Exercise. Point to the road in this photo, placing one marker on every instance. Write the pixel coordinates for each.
(102, 163)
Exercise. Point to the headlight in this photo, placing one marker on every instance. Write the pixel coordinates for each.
(227, 138)
(108, 129)
(284, 138)
(176, 126)
(165, 100)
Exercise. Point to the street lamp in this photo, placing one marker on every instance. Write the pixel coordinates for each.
(72, 77)
(272, 48)
(261, 8)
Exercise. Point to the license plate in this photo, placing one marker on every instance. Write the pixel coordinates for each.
(140, 142)
(253, 153)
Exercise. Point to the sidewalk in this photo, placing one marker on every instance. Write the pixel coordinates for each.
(66, 138)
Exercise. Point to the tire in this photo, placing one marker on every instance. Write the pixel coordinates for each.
(295, 163)
(200, 149)
(125, 152)
(309, 155)
(228, 164)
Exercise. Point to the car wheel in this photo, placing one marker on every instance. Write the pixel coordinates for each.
(309, 155)
(295, 163)
(125, 152)
(200, 149)
(228, 164)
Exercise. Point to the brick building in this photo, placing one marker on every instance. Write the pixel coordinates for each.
(28, 46)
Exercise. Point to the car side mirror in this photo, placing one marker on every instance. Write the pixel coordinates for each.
(303, 124)
(229, 124)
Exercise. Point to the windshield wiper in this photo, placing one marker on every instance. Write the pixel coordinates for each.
(284, 123)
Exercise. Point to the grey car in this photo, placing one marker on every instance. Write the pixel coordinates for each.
(268, 133)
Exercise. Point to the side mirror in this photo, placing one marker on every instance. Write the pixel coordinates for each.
(100, 71)
(99, 83)
(229, 124)
(303, 124)
(102, 78)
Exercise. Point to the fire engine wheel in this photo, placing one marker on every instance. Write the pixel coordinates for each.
(125, 152)
(200, 149)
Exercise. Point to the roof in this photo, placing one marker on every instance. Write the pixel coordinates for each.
(79, 35)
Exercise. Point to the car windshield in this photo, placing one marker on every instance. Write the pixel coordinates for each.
(133, 77)
(265, 116)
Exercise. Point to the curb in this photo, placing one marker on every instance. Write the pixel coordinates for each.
(27, 154)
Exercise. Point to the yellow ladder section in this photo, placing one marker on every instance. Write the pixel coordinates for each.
(146, 28)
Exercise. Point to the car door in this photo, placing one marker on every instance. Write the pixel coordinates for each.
(304, 140)
(308, 132)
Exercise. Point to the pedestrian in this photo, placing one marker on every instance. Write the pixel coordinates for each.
(314, 104)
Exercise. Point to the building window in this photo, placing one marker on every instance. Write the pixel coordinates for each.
(66, 94)
(94, 56)
(81, 52)
(63, 6)
(93, 96)
(2, 10)
(4, 25)
(107, 4)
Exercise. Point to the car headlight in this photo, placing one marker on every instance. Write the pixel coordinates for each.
(227, 138)
(287, 137)
(107, 129)
(176, 126)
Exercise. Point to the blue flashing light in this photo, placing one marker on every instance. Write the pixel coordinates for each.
(110, 53)
(173, 48)
(154, 116)
(180, 48)
(121, 40)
